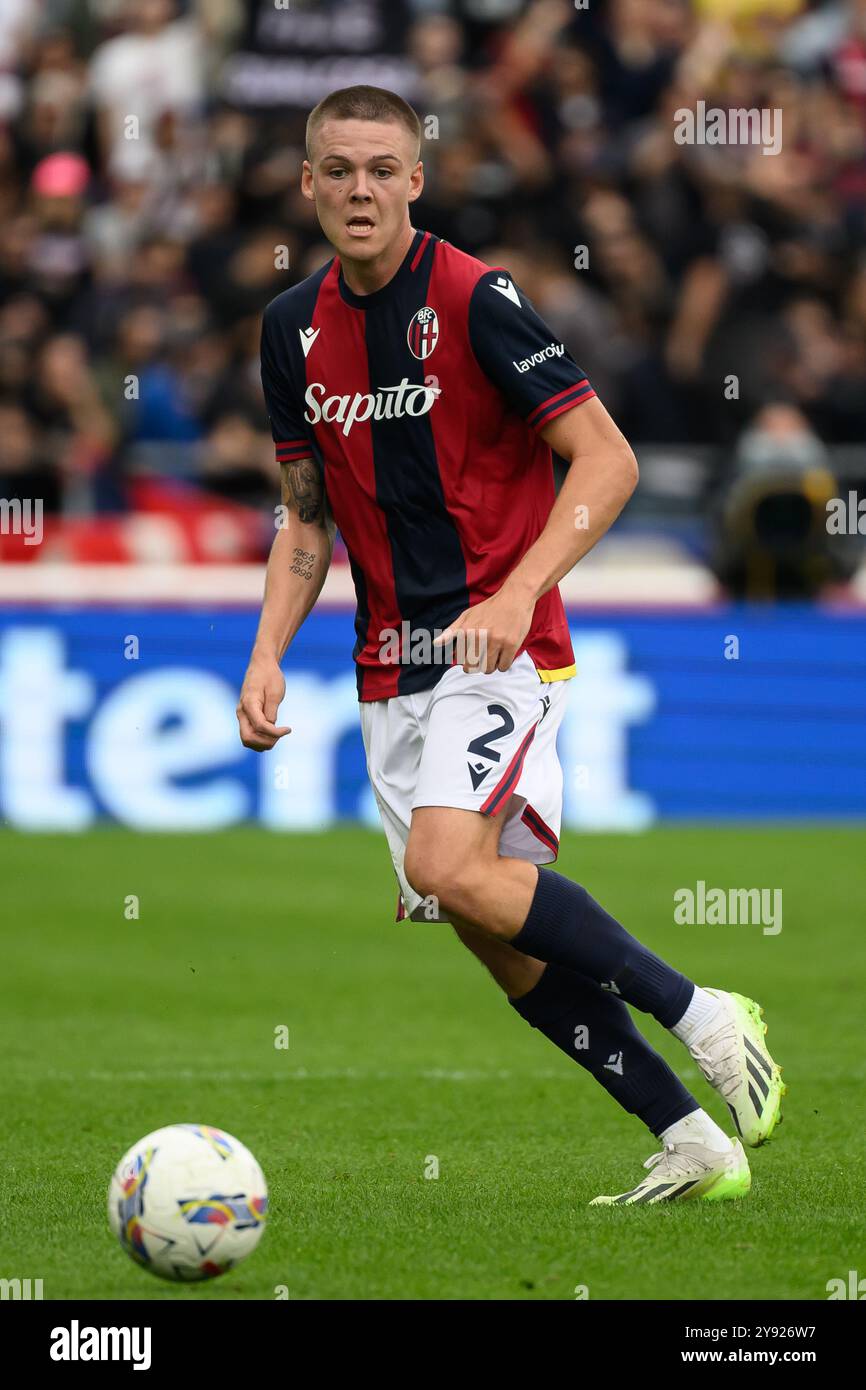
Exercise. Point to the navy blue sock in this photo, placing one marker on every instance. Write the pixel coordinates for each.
(596, 1029)
(568, 927)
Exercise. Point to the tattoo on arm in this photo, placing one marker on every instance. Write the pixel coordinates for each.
(303, 562)
(302, 489)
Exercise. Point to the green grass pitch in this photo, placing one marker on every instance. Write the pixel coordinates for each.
(401, 1048)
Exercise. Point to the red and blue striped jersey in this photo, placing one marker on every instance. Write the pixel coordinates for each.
(421, 404)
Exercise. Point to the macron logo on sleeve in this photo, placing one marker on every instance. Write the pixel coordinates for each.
(505, 287)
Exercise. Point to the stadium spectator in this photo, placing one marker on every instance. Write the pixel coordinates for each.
(145, 219)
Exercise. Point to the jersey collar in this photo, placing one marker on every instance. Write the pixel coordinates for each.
(367, 301)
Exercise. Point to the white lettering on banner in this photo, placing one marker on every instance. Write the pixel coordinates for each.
(261, 80)
(157, 727)
(387, 403)
(38, 696)
(604, 700)
(348, 27)
(319, 712)
(161, 748)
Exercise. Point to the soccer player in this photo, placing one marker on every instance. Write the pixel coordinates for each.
(415, 395)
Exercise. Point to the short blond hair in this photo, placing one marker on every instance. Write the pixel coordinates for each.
(363, 103)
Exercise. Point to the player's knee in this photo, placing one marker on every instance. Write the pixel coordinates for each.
(422, 871)
(432, 875)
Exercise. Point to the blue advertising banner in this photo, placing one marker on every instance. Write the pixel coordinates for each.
(128, 714)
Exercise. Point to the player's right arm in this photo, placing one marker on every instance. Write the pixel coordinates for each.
(299, 558)
(297, 567)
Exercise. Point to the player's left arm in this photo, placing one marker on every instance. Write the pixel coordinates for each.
(520, 355)
(602, 475)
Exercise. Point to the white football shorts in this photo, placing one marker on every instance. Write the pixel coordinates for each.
(478, 742)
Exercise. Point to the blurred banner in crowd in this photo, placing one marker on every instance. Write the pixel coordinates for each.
(293, 55)
(129, 714)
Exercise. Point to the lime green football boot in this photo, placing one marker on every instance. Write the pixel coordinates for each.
(733, 1057)
(682, 1171)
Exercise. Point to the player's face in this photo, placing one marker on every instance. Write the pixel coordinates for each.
(362, 177)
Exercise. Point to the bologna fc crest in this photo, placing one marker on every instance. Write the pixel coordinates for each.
(423, 333)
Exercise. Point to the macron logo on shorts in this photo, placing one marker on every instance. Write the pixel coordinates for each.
(477, 773)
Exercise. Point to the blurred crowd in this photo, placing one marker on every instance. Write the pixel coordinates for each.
(142, 208)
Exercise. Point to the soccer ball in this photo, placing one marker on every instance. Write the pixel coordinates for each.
(188, 1202)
